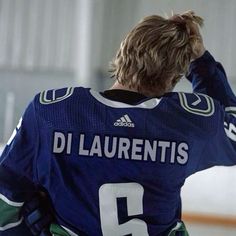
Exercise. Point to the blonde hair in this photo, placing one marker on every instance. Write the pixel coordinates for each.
(155, 49)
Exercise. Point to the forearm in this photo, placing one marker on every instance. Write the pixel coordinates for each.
(208, 76)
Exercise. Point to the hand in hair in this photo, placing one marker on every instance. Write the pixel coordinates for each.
(193, 22)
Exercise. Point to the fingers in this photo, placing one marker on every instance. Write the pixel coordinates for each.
(183, 17)
(188, 14)
(192, 23)
(187, 17)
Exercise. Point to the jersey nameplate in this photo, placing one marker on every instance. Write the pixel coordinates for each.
(203, 105)
(125, 148)
(50, 96)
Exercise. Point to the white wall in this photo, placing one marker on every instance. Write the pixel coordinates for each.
(212, 191)
(37, 35)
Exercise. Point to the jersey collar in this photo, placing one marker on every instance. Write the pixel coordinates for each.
(147, 104)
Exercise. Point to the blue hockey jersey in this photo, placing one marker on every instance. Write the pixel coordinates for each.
(112, 168)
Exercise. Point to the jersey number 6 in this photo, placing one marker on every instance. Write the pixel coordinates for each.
(108, 194)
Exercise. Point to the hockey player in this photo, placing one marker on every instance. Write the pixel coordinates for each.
(113, 163)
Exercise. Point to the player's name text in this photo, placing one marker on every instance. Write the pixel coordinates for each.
(121, 148)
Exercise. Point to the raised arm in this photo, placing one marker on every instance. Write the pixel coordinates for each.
(220, 149)
(215, 143)
(208, 76)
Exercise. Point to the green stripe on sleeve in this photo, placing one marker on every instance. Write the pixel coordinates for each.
(180, 227)
(9, 215)
(57, 230)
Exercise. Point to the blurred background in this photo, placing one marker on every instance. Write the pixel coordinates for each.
(58, 43)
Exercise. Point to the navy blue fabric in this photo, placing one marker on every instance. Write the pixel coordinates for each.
(73, 181)
(38, 213)
(20, 230)
(209, 77)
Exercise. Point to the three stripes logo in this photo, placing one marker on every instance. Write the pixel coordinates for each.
(124, 121)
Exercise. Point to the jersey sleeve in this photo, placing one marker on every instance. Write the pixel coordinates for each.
(208, 77)
(219, 149)
(17, 175)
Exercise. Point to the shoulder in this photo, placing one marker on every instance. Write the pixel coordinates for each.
(54, 96)
(197, 112)
(57, 98)
(196, 104)
(54, 103)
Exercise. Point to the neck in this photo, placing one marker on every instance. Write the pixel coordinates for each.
(118, 85)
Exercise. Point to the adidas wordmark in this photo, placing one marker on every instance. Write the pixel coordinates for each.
(124, 121)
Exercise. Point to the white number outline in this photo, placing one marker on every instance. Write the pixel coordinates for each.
(108, 194)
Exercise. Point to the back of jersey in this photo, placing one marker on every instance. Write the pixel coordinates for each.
(116, 169)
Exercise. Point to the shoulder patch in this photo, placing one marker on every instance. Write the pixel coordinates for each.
(198, 104)
(56, 95)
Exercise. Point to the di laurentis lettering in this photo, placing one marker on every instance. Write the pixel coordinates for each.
(121, 148)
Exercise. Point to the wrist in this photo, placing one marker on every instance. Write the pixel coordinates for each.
(201, 52)
(202, 66)
(197, 53)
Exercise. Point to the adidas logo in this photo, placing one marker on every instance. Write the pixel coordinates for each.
(124, 121)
